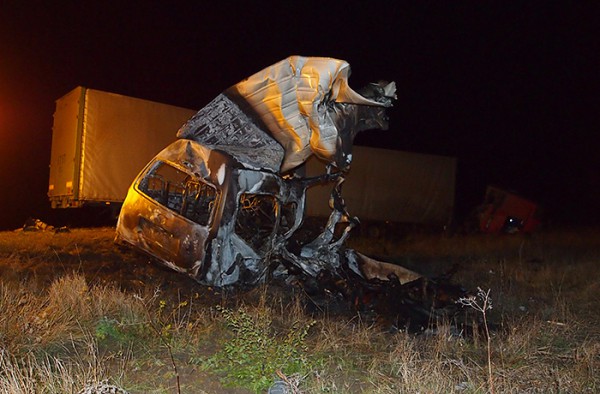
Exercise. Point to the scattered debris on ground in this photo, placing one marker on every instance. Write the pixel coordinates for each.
(32, 224)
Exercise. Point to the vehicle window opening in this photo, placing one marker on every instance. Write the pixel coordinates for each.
(178, 191)
(256, 219)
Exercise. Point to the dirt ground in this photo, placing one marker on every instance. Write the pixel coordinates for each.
(545, 276)
(40, 257)
(43, 256)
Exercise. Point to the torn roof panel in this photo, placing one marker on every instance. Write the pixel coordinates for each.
(284, 114)
(224, 125)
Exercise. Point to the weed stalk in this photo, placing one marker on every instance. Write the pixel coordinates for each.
(482, 302)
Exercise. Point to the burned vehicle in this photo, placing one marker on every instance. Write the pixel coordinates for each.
(224, 201)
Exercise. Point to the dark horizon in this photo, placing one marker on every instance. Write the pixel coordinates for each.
(510, 90)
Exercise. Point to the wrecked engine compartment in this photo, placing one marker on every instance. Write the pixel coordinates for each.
(224, 202)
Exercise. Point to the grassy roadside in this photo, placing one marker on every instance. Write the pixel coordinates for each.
(77, 311)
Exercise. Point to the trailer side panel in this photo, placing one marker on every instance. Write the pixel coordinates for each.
(388, 185)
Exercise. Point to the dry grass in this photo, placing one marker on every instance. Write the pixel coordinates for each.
(76, 309)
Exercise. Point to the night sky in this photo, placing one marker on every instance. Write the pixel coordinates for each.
(509, 88)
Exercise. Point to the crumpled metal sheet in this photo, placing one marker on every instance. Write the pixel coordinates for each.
(224, 125)
(277, 118)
